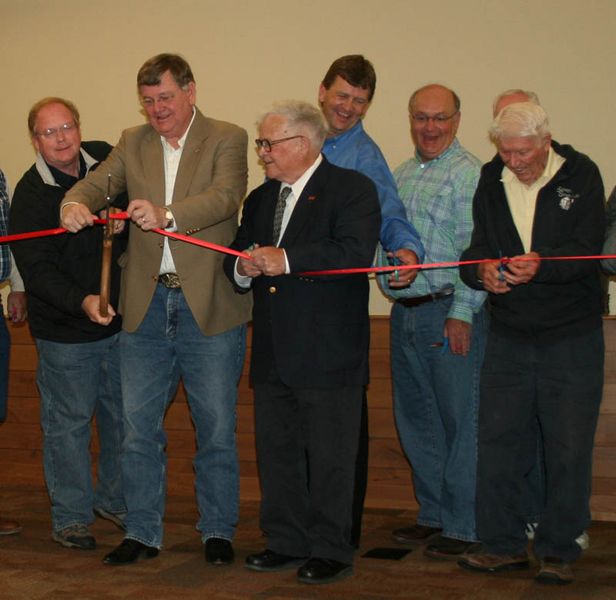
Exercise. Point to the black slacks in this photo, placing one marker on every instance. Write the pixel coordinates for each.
(307, 443)
(559, 384)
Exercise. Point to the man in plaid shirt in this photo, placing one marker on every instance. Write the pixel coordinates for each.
(438, 331)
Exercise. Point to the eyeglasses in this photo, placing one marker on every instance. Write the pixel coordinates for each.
(422, 119)
(267, 144)
(149, 102)
(52, 131)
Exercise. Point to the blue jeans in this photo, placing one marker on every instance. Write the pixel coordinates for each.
(168, 345)
(5, 348)
(76, 382)
(436, 398)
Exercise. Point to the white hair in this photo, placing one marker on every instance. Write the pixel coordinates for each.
(521, 119)
(301, 114)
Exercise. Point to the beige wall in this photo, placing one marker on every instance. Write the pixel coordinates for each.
(246, 54)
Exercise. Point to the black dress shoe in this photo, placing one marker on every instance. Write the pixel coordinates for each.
(415, 534)
(218, 551)
(323, 570)
(445, 548)
(268, 560)
(128, 552)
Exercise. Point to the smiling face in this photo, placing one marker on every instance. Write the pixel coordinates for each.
(169, 107)
(286, 161)
(343, 105)
(525, 156)
(434, 121)
(60, 149)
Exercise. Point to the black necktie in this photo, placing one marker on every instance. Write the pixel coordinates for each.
(279, 212)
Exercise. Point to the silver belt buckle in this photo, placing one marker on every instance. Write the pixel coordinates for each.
(170, 280)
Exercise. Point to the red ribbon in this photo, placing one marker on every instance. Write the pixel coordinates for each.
(223, 249)
(123, 216)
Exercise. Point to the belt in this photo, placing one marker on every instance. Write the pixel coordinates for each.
(170, 280)
(418, 300)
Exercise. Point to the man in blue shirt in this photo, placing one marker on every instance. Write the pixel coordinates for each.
(345, 96)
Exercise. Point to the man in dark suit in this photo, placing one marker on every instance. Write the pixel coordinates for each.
(310, 340)
(183, 172)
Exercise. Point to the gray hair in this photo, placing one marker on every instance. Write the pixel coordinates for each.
(301, 114)
(530, 96)
(521, 119)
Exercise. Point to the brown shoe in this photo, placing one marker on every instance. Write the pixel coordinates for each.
(416, 534)
(493, 563)
(446, 548)
(8, 527)
(554, 570)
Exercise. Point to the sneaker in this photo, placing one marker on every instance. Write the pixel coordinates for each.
(116, 518)
(583, 541)
(530, 530)
(75, 536)
(554, 571)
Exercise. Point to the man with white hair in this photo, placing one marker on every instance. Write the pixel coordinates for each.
(309, 361)
(536, 200)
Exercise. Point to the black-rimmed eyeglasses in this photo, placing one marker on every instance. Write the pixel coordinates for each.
(267, 144)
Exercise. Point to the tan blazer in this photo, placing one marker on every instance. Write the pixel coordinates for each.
(209, 188)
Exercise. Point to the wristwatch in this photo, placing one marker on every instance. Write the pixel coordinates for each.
(170, 219)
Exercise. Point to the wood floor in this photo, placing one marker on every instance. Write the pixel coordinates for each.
(32, 567)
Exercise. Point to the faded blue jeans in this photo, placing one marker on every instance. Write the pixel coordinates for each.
(168, 345)
(436, 399)
(76, 382)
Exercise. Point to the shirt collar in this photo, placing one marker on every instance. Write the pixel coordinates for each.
(357, 128)
(298, 187)
(182, 140)
(455, 144)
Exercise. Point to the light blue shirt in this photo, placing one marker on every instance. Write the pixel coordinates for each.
(355, 149)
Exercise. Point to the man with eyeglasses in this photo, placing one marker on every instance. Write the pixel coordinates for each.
(78, 348)
(345, 95)
(309, 360)
(183, 172)
(438, 332)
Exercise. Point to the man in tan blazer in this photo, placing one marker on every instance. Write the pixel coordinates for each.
(183, 172)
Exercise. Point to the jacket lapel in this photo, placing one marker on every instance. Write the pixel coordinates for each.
(196, 139)
(305, 204)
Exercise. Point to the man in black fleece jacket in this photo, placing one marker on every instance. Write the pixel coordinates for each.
(544, 359)
(78, 371)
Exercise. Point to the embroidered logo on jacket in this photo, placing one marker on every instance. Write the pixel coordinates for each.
(567, 197)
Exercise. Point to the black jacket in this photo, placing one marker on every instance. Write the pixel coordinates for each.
(60, 271)
(564, 298)
(315, 330)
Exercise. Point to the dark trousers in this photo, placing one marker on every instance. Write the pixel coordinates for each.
(559, 384)
(361, 474)
(306, 451)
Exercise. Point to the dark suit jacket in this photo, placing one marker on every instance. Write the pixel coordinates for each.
(314, 329)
